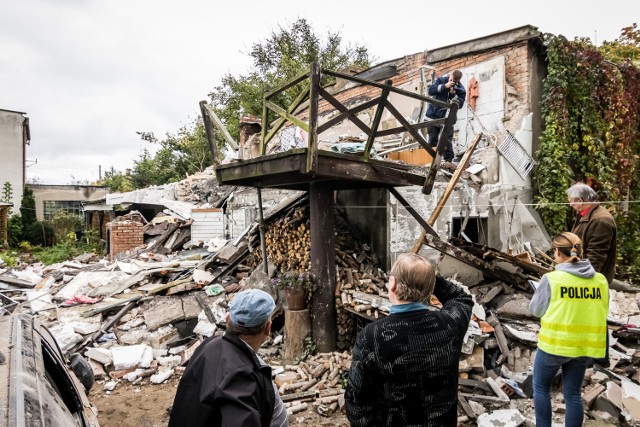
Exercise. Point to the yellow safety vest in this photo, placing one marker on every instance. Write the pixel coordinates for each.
(575, 324)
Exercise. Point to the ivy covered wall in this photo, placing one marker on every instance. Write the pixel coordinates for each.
(591, 115)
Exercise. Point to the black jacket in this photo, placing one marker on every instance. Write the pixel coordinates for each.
(224, 385)
(441, 93)
(404, 367)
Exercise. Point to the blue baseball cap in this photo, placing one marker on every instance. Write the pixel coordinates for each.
(251, 308)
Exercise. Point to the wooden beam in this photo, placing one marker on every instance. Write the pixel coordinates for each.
(285, 114)
(345, 114)
(219, 125)
(417, 126)
(376, 121)
(409, 128)
(450, 120)
(447, 192)
(208, 128)
(314, 86)
(294, 81)
(387, 87)
(302, 96)
(425, 225)
(473, 261)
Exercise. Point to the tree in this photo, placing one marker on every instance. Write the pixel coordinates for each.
(117, 181)
(624, 48)
(7, 192)
(27, 208)
(183, 153)
(282, 56)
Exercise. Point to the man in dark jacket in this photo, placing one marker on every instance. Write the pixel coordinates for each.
(404, 367)
(226, 383)
(447, 88)
(596, 228)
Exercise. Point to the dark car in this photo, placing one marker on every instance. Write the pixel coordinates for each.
(37, 386)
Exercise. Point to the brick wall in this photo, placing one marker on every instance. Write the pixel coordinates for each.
(4, 218)
(517, 76)
(124, 235)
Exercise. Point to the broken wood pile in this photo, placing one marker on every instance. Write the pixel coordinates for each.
(320, 379)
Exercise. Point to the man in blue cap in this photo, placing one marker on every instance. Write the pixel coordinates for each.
(226, 383)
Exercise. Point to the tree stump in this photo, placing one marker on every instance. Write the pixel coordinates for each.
(297, 325)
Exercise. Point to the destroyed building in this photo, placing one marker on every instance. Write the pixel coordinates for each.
(344, 215)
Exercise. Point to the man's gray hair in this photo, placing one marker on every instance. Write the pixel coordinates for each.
(582, 191)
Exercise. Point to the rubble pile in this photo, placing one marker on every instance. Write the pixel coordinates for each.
(319, 379)
(140, 318)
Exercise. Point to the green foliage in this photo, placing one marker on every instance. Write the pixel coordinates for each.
(14, 230)
(28, 208)
(116, 181)
(282, 56)
(591, 113)
(69, 248)
(65, 223)
(39, 233)
(7, 192)
(294, 279)
(624, 48)
(9, 260)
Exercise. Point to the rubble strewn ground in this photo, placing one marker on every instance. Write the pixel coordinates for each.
(138, 319)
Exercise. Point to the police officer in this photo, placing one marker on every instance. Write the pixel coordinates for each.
(572, 303)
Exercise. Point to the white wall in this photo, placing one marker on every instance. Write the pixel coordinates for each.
(12, 158)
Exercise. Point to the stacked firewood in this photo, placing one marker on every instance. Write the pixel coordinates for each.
(288, 241)
(319, 380)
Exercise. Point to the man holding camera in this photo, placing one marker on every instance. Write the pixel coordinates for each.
(447, 88)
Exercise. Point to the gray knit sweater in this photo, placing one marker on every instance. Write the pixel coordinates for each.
(404, 368)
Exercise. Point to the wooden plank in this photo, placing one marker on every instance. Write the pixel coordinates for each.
(345, 114)
(472, 260)
(201, 210)
(390, 88)
(410, 128)
(302, 96)
(376, 120)
(294, 81)
(285, 114)
(426, 124)
(424, 224)
(448, 190)
(208, 128)
(220, 126)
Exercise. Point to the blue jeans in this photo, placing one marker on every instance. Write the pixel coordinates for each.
(545, 368)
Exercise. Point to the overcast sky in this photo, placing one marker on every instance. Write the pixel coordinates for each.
(90, 73)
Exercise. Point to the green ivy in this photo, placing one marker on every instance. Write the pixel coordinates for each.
(591, 115)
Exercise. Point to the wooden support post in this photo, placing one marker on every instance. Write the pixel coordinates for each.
(297, 325)
(323, 266)
(314, 86)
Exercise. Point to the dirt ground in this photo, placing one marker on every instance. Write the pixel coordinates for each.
(147, 405)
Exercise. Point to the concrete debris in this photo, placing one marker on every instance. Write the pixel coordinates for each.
(160, 300)
(501, 417)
